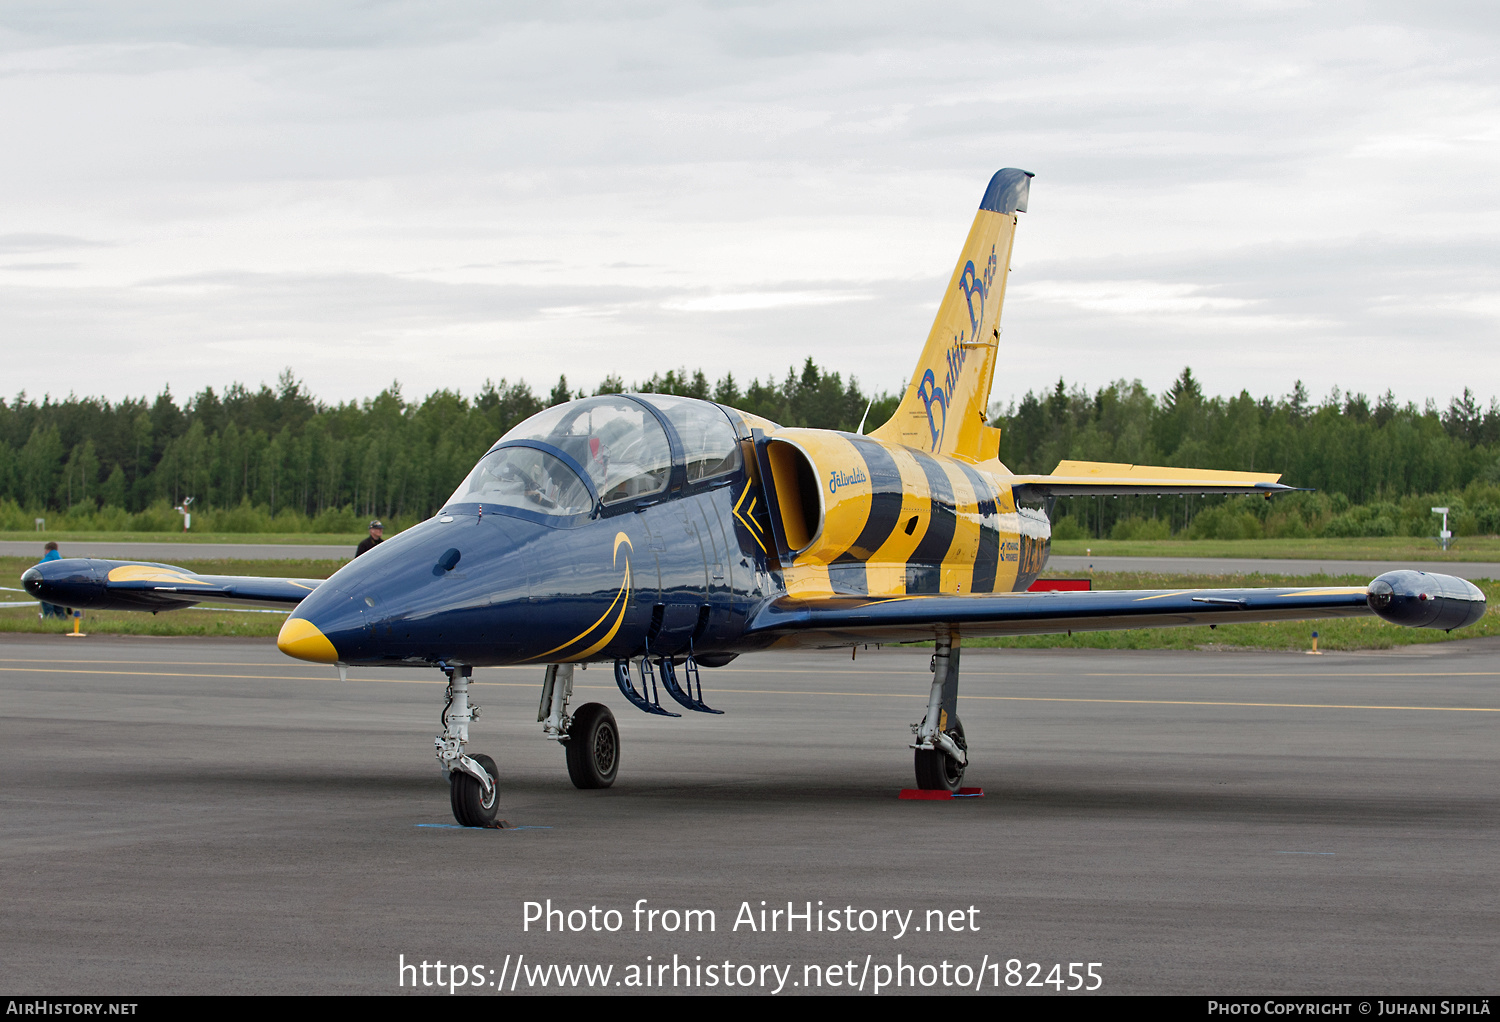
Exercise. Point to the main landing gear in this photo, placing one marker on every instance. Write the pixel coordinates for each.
(941, 753)
(471, 779)
(589, 736)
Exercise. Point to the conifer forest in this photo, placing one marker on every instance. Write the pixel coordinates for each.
(276, 459)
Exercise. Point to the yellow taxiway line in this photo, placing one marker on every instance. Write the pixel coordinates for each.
(791, 692)
(969, 674)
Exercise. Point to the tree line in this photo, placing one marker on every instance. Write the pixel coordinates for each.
(278, 459)
(1378, 467)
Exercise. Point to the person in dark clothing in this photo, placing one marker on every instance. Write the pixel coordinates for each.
(51, 553)
(373, 540)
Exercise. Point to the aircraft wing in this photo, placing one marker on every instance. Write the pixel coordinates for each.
(1413, 598)
(1102, 478)
(91, 584)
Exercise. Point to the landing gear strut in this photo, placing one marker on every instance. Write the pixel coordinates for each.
(589, 736)
(941, 752)
(476, 799)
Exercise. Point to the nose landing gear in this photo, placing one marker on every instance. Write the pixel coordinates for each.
(471, 779)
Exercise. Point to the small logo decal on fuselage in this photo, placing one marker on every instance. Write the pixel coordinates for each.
(839, 477)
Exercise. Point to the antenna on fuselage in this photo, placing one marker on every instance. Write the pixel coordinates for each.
(862, 418)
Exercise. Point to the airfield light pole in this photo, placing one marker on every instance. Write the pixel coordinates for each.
(1444, 537)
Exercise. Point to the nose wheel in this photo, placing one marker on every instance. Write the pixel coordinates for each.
(471, 779)
(472, 807)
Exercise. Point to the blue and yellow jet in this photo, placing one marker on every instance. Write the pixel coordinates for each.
(663, 534)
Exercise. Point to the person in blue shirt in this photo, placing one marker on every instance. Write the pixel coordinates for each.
(51, 553)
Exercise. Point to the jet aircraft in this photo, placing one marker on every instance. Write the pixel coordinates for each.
(662, 535)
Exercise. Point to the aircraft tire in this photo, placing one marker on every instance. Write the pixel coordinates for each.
(936, 770)
(593, 747)
(468, 796)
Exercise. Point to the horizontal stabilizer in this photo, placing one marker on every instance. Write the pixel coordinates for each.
(1103, 478)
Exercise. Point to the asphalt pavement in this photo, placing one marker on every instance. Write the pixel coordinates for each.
(207, 816)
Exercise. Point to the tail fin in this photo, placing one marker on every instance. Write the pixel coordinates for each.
(942, 410)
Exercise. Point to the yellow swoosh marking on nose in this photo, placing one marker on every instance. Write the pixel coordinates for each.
(621, 600)
(624, 589)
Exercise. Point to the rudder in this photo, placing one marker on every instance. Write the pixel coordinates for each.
(942, 409)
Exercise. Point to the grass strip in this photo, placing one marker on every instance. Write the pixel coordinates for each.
(351, 539)
(1388, 548)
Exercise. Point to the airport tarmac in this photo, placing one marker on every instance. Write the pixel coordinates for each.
(207, 816)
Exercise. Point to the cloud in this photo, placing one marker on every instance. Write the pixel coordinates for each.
(37, 267)
(747, 300)
(453, 190)
(1129, 297)
(43, 242)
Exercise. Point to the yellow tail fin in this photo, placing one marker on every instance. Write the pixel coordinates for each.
(942, 410)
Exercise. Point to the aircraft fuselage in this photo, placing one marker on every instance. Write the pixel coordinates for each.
(684, 570)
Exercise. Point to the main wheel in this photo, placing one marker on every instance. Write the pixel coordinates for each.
(936, 770)
(469, 806)
(593, 747)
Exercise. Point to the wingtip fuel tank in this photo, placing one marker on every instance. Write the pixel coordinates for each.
(1420, 599)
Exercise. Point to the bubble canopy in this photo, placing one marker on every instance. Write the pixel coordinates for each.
(618, 442)
(709, 445)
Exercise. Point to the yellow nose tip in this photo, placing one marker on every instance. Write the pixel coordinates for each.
(300, 638)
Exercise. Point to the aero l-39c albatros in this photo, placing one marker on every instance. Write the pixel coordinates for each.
(661, 535)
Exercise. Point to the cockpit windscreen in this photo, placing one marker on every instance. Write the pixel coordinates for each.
(525, 477)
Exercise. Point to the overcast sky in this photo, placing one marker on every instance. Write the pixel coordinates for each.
(440, 192)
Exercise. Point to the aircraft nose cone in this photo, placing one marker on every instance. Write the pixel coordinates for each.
(301, 638)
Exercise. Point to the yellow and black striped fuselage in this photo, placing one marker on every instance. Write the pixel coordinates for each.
(853, 515)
